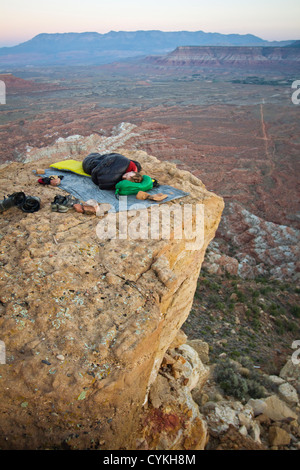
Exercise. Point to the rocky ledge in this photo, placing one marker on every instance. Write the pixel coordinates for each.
(87, 323)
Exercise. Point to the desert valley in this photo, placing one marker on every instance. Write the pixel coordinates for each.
(227, 116)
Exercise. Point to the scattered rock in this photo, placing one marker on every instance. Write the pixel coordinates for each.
(290, 371)
(180, 338)
(288, 393)
(272, 407)
(243, 430)
(278, 436)
(276, 380)
(268, 423)
(193, 369)
(255, 432)
(202, 349)
(232, 439)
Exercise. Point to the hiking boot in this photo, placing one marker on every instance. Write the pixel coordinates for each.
(63, 203)
(31, 204)
(57, 200)
(15, 199)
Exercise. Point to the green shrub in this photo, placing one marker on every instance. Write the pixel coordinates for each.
(255, 294)
(255, 310)
(248, 313)
(227, 375)
(295, 311)
(262, 280)
(279, 326)
(198, 294)
(241, 296)
(265, 290)
(255, 389)
(231, 382)
(256, 324)
(235, 354)
(220, 306)
(291, 326)
(275, 310)
(214, 286)
(214, 298)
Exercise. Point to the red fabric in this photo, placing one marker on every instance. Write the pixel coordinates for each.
(41, 180)
(131, 167)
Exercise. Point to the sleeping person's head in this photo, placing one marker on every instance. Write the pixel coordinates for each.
(133, 176)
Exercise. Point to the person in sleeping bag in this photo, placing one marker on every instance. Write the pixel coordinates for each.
(133, 176)
(108, 169)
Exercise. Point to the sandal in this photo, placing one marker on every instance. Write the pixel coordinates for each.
(152, 197)
(142, 195)
(158, 197)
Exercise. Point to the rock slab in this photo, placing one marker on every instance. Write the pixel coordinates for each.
(86, 321)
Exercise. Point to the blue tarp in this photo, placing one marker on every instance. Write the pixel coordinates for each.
(83, 188)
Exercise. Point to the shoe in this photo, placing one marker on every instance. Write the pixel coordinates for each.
(31, 204)
(68, 202)
(15, 199)
(23, 202)
(142, 195)
(86, 209)
(57, 200)
(158, 197)
(63, 203)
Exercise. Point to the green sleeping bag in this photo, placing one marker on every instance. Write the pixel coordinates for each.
(126, 187)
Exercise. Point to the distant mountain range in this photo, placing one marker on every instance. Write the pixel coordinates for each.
(93, 48)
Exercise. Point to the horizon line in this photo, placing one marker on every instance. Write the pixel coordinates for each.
(146, 30)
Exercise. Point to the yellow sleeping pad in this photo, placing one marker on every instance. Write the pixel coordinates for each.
(70, 165)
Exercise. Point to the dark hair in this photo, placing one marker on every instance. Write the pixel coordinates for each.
(137, 178)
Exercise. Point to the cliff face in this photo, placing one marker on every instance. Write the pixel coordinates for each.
(87, 321)
(260, 248)
(228, 56)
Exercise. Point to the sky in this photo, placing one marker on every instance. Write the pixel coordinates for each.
(21, 20)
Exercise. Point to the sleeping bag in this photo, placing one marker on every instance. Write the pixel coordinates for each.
(107, 170)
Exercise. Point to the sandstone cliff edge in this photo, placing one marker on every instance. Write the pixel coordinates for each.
(87, 322)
